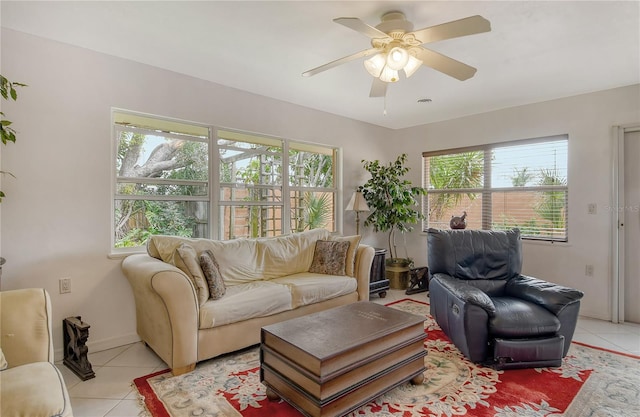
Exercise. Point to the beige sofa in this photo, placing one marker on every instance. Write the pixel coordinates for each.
(31, 385)
(266, 280)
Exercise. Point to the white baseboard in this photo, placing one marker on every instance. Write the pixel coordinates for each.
(104, 344)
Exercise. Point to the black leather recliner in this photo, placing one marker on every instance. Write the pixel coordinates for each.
(491, 312)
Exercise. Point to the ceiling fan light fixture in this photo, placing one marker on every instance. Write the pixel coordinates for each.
(397, 58)
(375, 64)
(412, 66)
(389, 75)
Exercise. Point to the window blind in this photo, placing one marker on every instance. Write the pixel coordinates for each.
(502, 186)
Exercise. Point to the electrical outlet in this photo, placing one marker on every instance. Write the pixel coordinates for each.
(588, 270)
(65, 285)
(592, 208)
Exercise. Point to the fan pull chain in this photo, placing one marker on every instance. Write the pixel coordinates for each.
(384, 112)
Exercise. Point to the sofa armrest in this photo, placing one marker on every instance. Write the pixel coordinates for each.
(551, 296)
(465, 292)
(25, 325)
(167, 309)
(364, 260)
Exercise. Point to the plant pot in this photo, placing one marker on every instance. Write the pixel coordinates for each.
(398, 262)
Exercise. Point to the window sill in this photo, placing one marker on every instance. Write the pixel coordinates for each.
(546, 243)
(123, 253)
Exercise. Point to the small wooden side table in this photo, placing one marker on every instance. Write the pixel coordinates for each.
(378, 283)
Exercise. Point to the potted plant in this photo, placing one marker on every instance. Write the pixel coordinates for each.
(7, 133)
(393, 202)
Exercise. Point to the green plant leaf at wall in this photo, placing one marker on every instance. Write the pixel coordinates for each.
(7, 133)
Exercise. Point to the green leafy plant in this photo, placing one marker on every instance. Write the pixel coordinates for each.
(392, 199)
(551, 206)
(458, 171)
(7, 133)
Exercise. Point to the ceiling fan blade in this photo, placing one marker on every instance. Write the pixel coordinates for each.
(463, 27)
(378, 88)
(445, 65)
(340, 61)
(359, 26)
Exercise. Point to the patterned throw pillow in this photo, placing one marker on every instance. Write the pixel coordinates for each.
(354, 241)
(186, 259)
(330, 257)
(211, 272)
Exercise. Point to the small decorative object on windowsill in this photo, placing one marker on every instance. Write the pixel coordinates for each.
(76, 333)
(459, 222)
(418, 280)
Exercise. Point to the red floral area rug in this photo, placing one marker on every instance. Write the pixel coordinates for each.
(591, 382)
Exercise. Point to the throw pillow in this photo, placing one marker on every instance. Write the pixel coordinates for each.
(354, 241)
(329, 257)
(211, 272)
(3, 362)
(185, 258)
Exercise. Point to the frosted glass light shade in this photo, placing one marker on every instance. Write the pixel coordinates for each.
(397, 58)
(389, 75)
(412, 66)
(375, 64)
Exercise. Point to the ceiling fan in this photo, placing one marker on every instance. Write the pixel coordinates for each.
(396, 46)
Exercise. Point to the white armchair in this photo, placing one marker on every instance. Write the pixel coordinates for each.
(31, 385)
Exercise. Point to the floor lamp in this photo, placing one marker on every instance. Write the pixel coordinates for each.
(359, 205)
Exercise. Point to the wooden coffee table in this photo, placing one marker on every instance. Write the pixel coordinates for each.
(330, 363)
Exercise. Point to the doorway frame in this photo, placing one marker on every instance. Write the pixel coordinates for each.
(618, 219)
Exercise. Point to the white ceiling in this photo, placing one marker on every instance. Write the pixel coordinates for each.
(536, 51)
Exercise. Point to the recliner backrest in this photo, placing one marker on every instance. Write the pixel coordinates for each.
(475, 254)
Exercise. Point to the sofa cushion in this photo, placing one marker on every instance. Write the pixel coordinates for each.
(516, 318)
(309, 288)
(245, 260)
(35, 390)
(245, 301)
(329, 257)
(211, 272)
(350, 262)
(185, 258)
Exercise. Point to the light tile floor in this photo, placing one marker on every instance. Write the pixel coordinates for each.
(111, 392)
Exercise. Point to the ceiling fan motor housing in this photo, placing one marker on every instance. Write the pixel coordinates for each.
(394, 22)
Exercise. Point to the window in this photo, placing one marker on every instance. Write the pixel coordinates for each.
(519, 184)
(162, 179)
(253, 184)
(167, 183)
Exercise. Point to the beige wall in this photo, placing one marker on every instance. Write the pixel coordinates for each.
(588, 120)
(56, 219)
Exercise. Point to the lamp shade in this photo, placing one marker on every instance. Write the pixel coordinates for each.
(375, 64)
(397, 58)
(357, 202)
(412, 66)
(389, 75)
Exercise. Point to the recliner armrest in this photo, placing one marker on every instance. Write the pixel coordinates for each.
(466, 292)
(551, 296)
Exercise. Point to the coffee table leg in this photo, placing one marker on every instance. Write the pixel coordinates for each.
(416, 380)
(272, 395)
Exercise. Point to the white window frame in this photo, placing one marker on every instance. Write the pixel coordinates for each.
(213, 197)
(285, 188)
(487, 190)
